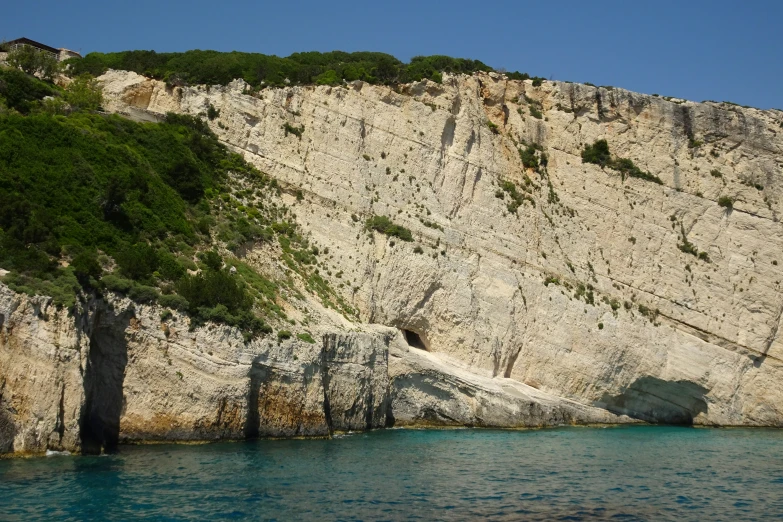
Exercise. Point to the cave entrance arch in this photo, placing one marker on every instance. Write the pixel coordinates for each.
(414, 340)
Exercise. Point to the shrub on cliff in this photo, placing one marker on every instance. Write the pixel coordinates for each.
(84, 93)
(597, 153)
(327, 78)
(21, 91)
(528, 157)
(213, 287)
(385, 226)
(726, 202)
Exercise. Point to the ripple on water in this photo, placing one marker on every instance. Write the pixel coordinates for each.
(623, 473)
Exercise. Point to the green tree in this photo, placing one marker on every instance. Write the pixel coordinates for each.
(32, 61)
(84, 93)
(212, 259)
(327, 78)
(23, 92)
(85, 265)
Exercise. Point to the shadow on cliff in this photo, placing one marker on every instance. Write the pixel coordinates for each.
(7, 428)
(253, 421)
(99, 425)
(658, 401)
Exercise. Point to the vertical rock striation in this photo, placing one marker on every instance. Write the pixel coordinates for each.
(127, 382)
(574, 279)
(529, 296)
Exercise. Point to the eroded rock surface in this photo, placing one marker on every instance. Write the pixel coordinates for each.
(590, 295)
(427, 157)
(110, 374)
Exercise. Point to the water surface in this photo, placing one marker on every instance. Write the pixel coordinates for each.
(619, 473)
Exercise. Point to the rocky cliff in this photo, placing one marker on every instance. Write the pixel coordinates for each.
(537, 289)
(116, 373)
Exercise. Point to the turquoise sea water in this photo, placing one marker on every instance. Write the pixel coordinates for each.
(618, 473)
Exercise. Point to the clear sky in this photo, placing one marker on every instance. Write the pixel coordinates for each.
(717, 50)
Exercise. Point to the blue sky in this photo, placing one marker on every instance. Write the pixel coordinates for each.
(699, 50)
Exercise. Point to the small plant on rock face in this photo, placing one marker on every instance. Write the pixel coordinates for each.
(597, 153)
(296, 131)
(534, 112)
(306, 337)
(385, 226)
(726, 202)
(528, 157)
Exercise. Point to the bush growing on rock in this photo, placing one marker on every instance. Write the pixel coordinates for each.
(211, 259)
(296, 131)
(144, 294)
(528, 157)
(177, 302)
(598, 153)
(85, 265)
(306, 337)
(84, 93)
(117, 284)
(726, 202)
(385, 226)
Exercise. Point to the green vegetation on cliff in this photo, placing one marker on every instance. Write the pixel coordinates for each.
(385, 226)
(598, 153)
(90, 202)
(213, 67)
(22, 92)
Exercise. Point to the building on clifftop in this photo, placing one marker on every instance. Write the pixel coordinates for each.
(59, 53)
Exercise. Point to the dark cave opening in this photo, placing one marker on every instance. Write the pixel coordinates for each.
(414, 340)
(104, 376)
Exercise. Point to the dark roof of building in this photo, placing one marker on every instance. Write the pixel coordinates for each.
(33, 43)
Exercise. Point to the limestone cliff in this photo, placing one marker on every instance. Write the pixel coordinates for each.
(538, 296)
(115, 372)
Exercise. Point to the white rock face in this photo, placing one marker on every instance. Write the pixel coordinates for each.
(115, 373)
(427, 156)
(426, 391)
(590, 297)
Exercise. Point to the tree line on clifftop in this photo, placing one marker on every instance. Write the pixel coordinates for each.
(260, 70)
